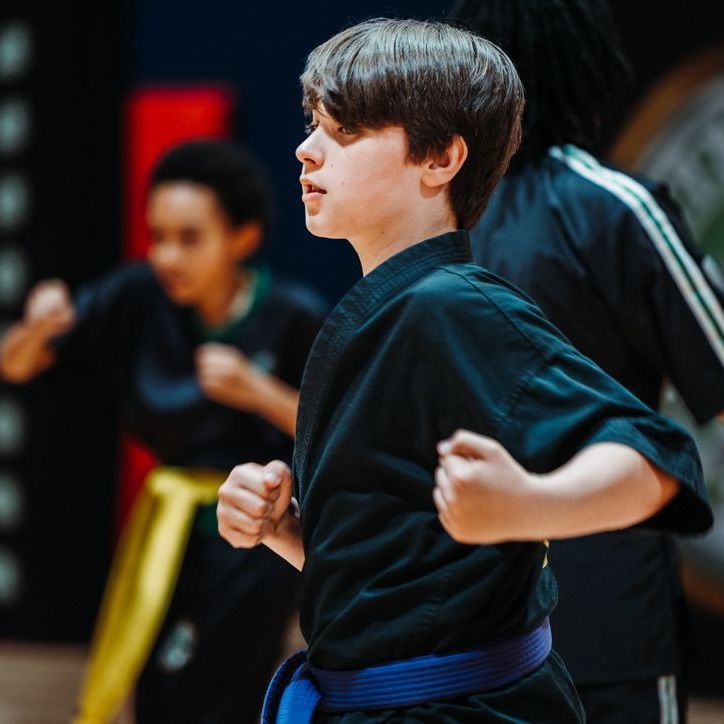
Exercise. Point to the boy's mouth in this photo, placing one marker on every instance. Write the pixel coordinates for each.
(309, 189)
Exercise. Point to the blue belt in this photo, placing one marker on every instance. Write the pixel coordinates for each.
(298, 688)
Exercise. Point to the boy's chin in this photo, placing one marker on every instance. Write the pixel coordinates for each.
(317, 227)
(181, 296)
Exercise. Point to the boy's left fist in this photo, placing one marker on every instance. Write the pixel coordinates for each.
(228, 377)
(253, 500)
(481, 493)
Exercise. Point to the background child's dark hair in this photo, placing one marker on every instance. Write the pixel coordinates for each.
(434, 80)
(236, 177)
(569, 58)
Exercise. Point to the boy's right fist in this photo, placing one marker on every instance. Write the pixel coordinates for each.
(253, 501)
(49, 309)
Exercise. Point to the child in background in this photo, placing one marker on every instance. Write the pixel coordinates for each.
(203, 355)
(610, 261)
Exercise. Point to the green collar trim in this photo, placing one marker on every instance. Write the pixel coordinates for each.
(227, 332)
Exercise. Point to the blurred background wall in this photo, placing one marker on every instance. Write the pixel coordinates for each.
(67, 73)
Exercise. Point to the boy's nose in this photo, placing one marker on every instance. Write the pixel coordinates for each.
(165, 255)
(308, 152)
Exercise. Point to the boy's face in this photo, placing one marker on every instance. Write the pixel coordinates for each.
(356, 185)
(194, 249)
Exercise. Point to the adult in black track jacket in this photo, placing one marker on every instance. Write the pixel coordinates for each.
(610, 261)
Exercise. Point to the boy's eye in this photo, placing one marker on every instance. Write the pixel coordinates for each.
(309, 128)
(346, 131)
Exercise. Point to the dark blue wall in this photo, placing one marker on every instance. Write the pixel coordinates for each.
(259, 49)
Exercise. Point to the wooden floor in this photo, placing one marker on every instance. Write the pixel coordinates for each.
(38, 685)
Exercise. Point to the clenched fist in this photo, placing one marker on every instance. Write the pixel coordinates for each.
(253, 501)
(228, 377)
(481, 493)
(49, 309)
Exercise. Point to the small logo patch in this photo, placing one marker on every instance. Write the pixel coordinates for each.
(179, 646)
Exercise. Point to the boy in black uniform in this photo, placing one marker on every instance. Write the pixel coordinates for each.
(203, 356)
(403, 623)
(610, 262)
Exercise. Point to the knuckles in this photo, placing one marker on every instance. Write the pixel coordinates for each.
(240, 473)
(257, 508)
(225, 492)
(460, 482)
(248, 538)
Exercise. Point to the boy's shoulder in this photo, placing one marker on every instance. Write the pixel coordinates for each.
(132, 280)
(455, 287)
(470, 300)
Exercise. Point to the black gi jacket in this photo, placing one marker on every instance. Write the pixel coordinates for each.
(140, 347)
(425, 344)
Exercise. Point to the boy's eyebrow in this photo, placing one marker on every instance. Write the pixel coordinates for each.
(320, 109)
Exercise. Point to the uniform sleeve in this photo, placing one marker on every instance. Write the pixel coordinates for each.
(103, 320)
(668, 297)
(570, 403)
(544, 401)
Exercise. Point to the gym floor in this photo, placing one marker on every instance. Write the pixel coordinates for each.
(38, 684)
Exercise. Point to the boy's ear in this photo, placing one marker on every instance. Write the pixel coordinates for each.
(246, 239)
(441, 168)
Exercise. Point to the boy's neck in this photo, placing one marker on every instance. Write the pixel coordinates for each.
(382, 245)
(226, 300)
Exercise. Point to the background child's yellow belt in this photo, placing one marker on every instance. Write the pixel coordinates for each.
(140, 585)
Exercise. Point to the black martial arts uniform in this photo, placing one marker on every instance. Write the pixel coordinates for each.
(425, 344)
(611, 264)
(223, 632)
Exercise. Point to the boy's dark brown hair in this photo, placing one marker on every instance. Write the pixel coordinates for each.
(434, 80)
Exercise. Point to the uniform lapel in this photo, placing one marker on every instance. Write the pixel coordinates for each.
(369, 294)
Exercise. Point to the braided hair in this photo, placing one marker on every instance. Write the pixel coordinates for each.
(568, 55)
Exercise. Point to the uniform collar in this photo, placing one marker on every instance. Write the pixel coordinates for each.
(403, 268)
(358, 305)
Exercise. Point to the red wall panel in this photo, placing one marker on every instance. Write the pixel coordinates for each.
(155, 120)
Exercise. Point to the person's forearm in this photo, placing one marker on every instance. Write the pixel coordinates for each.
(606, 486)
(24, 353)
(277, 403)
(287, 542)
